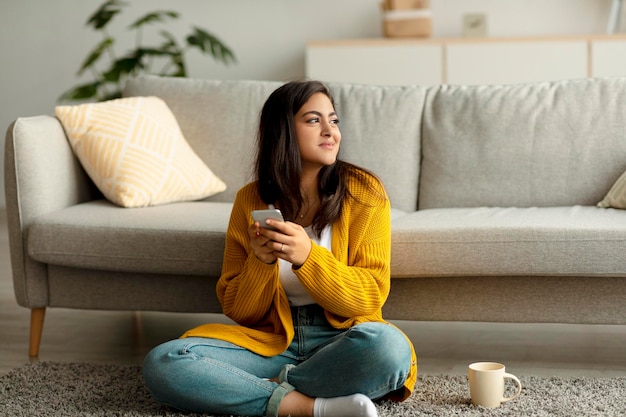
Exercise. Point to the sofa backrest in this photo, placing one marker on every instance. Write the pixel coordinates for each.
(218, 119)
(381, 131)
(546, 144)
(380, 127)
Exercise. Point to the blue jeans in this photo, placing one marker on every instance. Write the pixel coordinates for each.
(212, 376)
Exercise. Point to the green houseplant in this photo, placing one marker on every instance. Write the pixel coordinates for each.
(169, 55)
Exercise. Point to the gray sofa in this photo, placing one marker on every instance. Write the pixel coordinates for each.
(493, 188)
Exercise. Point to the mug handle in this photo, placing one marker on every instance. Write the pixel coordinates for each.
(519, 387)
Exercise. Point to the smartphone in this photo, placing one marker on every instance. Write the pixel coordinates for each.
(262, 215)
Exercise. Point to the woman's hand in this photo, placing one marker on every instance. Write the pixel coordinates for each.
(289, 242)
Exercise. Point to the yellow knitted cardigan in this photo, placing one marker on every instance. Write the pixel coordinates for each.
(351, 283)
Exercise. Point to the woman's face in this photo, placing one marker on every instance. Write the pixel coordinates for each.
(318, 132)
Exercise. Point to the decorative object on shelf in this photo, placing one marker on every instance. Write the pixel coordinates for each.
(475, 25)
(615, 17)
(406, 18)
(108, 83)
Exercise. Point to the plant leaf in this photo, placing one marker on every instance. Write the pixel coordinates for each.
(170, 44)
(95, 54)
(176, 55)
(123, 66)
(81, 92)
(105, 13)
(210, 44)
(158, 16)
(141, 52)
(171, 40)
(116, 93)
(179, 63)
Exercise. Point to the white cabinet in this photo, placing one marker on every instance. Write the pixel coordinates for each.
(376, 63)
(466, 61)
(513, 62)
(608, 58)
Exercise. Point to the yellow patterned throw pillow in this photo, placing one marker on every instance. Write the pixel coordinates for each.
(134, 151)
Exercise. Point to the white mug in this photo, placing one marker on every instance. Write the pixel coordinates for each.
(486, 381)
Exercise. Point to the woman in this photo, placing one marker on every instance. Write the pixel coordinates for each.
(307, 295)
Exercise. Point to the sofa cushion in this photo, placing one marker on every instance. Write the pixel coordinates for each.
(179, 238)
(218, 118)
(381, 127)
(549, 241)
(135, 153)
(545, 144)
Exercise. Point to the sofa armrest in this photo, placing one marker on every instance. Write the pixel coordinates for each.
(41, 175)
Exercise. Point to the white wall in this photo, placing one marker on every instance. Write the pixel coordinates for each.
(42, 43)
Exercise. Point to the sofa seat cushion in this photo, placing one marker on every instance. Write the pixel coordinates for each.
(556, 241)
(181, 238)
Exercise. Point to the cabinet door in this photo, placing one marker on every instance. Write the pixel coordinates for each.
(608, 58)
(397, 64)
(506, 62)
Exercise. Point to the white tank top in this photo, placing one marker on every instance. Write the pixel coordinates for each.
(296, 293)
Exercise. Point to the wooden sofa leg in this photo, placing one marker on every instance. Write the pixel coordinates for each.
(37, 316)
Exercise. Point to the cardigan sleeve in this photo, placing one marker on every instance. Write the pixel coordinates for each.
(354, 280)
(247, 287)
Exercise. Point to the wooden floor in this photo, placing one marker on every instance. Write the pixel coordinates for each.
(442, 347)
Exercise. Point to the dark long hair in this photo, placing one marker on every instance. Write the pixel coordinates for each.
(278, 165)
